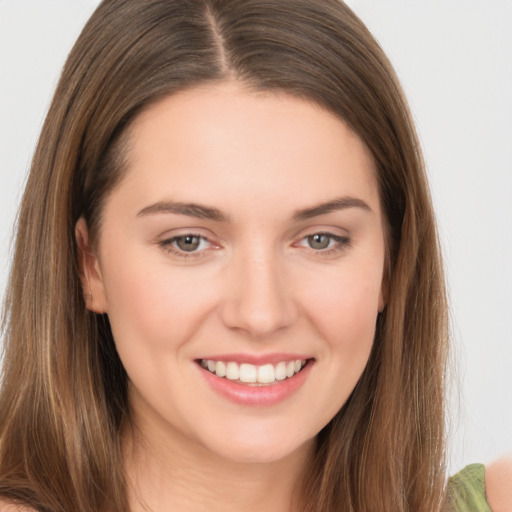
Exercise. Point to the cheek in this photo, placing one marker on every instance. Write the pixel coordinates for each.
(344, 312)
(152, 306)
(345, 308)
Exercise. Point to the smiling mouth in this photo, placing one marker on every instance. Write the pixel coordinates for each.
(254, 375)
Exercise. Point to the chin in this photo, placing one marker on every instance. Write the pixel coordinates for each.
(259, 448)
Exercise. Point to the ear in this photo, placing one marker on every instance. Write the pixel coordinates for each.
(90, 271)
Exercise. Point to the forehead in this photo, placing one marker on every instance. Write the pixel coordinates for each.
(225, 142)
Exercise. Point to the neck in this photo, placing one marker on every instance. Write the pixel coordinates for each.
(167, 473)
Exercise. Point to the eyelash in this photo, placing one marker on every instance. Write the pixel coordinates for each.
(340, 243)
(169, 246)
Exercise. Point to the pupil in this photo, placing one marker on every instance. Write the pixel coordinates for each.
(188, 243)
(318, 241)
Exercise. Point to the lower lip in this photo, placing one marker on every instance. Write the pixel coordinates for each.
(265, 395)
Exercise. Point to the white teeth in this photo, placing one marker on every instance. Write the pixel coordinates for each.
(266, 374)
(248, 373)
(232, 371)
(281, 371)
(252, 374)
(220, 369)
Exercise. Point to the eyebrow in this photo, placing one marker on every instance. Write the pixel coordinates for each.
(341, 203)
(207, 212)
(189, 209)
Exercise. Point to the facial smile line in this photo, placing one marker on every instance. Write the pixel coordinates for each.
(252, 374)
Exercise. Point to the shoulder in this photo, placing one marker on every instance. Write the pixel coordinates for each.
(466, 490)
(498, 484)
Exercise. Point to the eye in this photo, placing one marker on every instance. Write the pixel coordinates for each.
(324, 242)
(189, 244)
(319, 241)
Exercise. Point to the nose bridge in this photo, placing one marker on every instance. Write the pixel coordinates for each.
(260, 301)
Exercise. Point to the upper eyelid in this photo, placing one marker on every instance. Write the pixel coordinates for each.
(166, 239)
(171, 239)
(334, 231)
(333, 236)
(172, 234)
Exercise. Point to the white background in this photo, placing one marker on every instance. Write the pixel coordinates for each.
(454, 58)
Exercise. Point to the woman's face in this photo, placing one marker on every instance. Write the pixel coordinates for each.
(240, 262)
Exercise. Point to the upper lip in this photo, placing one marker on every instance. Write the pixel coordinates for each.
(257, 360)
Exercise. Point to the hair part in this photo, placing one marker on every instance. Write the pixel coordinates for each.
(62, 408)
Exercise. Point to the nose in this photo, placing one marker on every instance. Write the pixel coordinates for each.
(258, 300)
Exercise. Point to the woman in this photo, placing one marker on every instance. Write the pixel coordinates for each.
(227, 273)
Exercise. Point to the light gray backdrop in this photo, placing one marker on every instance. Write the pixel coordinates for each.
(454, 58)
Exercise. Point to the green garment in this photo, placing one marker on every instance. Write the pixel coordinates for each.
(466, 490)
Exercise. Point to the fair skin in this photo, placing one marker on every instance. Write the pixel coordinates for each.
(498, 484)
(283, 265)
(265, 276)
(498, 488)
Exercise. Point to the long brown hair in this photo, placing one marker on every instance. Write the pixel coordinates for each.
(63, 399)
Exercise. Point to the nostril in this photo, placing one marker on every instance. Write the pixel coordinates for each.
(260, 318)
